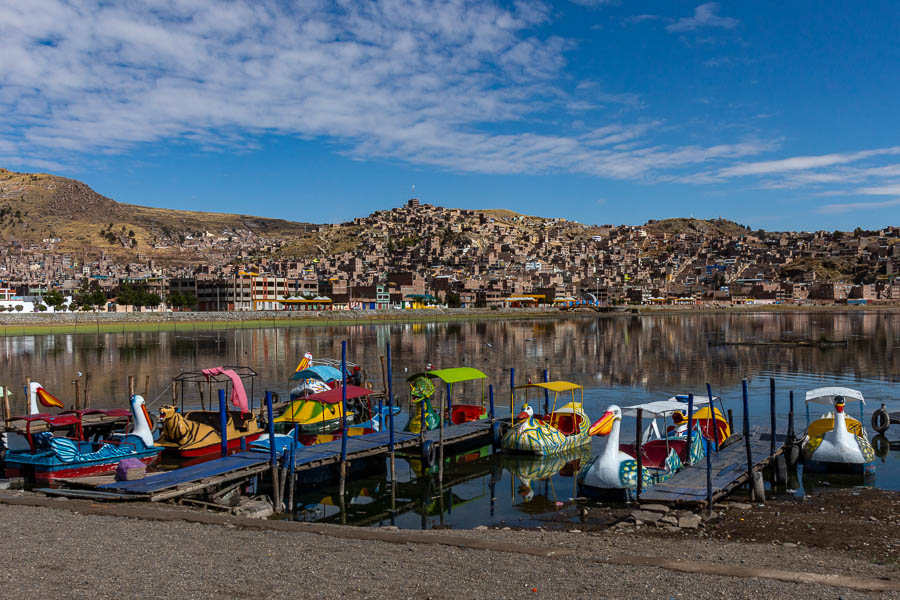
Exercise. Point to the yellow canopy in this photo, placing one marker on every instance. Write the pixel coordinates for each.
(553, 386)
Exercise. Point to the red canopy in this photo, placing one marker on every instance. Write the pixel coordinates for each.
(333, 396)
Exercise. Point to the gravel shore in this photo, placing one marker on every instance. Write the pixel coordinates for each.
(54, 551)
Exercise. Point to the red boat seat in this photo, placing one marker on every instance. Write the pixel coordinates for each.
(463, 413)
(566, 423)
(656, 452)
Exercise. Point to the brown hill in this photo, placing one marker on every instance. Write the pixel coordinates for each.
(708, 228)
(37, 206)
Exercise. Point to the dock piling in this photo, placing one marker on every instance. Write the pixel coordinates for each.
(223, 423)
(690, 428)
(87, 390)
(731, 420)
(27, 396)
(546, 392)
(512, 395)
(441, 441)
(77, 394)
(790, 431)
(390, 391)
(343, 418)
(273, 456)
(772, 413)
(130, 386)
(491, 397)
(639, 444)
(709, 488)
(292, 480)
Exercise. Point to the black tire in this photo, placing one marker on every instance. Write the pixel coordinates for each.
(881, 420)
(496, 434)
(429, 454)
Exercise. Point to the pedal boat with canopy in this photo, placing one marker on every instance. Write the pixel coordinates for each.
(836, 442)
(563, 429)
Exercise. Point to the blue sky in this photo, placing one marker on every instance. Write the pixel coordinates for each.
(780, 115)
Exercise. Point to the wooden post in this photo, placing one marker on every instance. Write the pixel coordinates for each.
(77, 394)
(390, 389)
(147, 387)
(639, 446)
(512, 396)
(746, 400)
(273, 457)
(712, 429)
(731, 420)
(546, 392)
(709, 490)
(87, 390)
(441, 444)
(690, 428)
(202, 399)
(344, 418)
(130, 386)
(6, 413)
(292, 478)
(772, 413)
(491, 397)
(223, 423)
(791, 432)
(27, 396)
(174, 394)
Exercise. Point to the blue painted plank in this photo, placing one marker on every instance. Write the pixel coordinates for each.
(161, 481)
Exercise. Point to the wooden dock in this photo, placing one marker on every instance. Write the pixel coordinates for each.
(729, 470)
(243, 465)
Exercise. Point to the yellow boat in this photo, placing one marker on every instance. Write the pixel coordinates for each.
(196, 432)
(321, 413)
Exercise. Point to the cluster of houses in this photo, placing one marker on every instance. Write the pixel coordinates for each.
(421, 255)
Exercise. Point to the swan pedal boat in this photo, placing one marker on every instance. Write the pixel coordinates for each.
(50, 456)
(836, 442)
(562, 430)
(422, 391)
(613, 472)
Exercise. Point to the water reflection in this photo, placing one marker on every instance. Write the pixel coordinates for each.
(655, 352)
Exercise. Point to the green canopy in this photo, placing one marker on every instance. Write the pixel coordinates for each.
(454, 375)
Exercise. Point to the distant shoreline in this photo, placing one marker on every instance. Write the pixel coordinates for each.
(12, 325)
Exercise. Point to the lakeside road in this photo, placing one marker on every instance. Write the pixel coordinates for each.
(15, 324)
(69, 548)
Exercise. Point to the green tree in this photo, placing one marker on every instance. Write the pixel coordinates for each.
(55, 299)
(453, 300)
(19, 308)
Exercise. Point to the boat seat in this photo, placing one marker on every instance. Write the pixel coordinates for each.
(820, 427)
(655, 452)
(565, 422)
(463, 413)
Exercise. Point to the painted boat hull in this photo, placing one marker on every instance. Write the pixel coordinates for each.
(39, 471)
(209, 449)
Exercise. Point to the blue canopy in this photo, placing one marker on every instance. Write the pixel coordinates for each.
(320, 372)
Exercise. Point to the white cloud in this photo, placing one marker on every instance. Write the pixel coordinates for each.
(854, 206)
(422, 81)
(884, 190)
(799, 163)
(704, 17)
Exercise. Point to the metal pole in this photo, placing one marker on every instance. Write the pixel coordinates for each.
(712, 425)
(639, 446)
(546, 392)
(273, 457)
(441, 445)
(291, 476)
(223, 423)
(491, 396)
(690, 430)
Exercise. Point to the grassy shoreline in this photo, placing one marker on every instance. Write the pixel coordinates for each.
(96, 323)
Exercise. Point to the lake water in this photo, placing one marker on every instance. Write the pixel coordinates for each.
(619, 359)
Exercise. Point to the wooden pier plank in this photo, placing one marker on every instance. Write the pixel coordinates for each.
(186, 480)
(729, 469)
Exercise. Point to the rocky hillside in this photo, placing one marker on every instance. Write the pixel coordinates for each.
(36, 206)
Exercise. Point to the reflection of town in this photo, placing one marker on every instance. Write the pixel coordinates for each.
(648, 351)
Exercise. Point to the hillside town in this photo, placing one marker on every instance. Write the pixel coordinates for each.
(421, 255)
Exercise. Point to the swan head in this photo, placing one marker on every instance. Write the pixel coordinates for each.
(839, 404)
(527, 412)
(38, 393)
(604, 425)
(141, 419)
